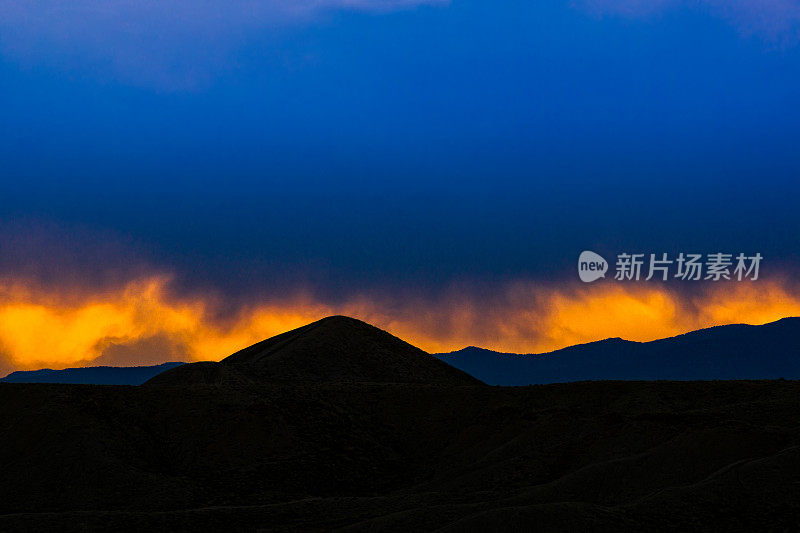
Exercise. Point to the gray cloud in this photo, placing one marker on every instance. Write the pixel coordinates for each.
(142, 352)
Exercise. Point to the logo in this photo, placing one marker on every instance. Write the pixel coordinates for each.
(591, 266)
(663, 267)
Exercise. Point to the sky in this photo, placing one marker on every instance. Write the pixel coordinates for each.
(180, 178)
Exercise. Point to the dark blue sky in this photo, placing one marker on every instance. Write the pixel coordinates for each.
(400, 146)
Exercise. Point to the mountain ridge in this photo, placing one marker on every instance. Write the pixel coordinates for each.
(720, 352)
(91, 375)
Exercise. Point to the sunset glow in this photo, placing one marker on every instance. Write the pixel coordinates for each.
(45, 328)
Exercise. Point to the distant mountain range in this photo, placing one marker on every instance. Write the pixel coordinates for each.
(347, 350)
(771, 351)
(92, 375)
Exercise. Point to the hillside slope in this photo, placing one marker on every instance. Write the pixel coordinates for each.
(335, 349)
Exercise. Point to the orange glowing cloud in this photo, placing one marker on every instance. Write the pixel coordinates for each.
(71, 327)
(527, 318)
(38, 328)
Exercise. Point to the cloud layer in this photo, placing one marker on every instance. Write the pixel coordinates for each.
(184, 44)
(775, 21)
(168, 44)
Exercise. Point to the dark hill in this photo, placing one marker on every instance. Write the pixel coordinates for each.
(771, 351)
(334, 349)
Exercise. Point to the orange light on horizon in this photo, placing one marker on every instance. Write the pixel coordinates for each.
(39, 329)
(77, 327)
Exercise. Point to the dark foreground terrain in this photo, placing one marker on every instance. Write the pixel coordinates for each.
(400, 457)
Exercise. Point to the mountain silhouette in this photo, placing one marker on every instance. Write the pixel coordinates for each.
(771, 351)
(345, 349)
(91, 375)
(341, 426)
(334, 349)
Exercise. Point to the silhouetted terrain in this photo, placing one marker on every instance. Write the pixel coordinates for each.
(771, 351)
(334, 349)
(235, 452)
(92, 375)
(312, 353)
(692, 455)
